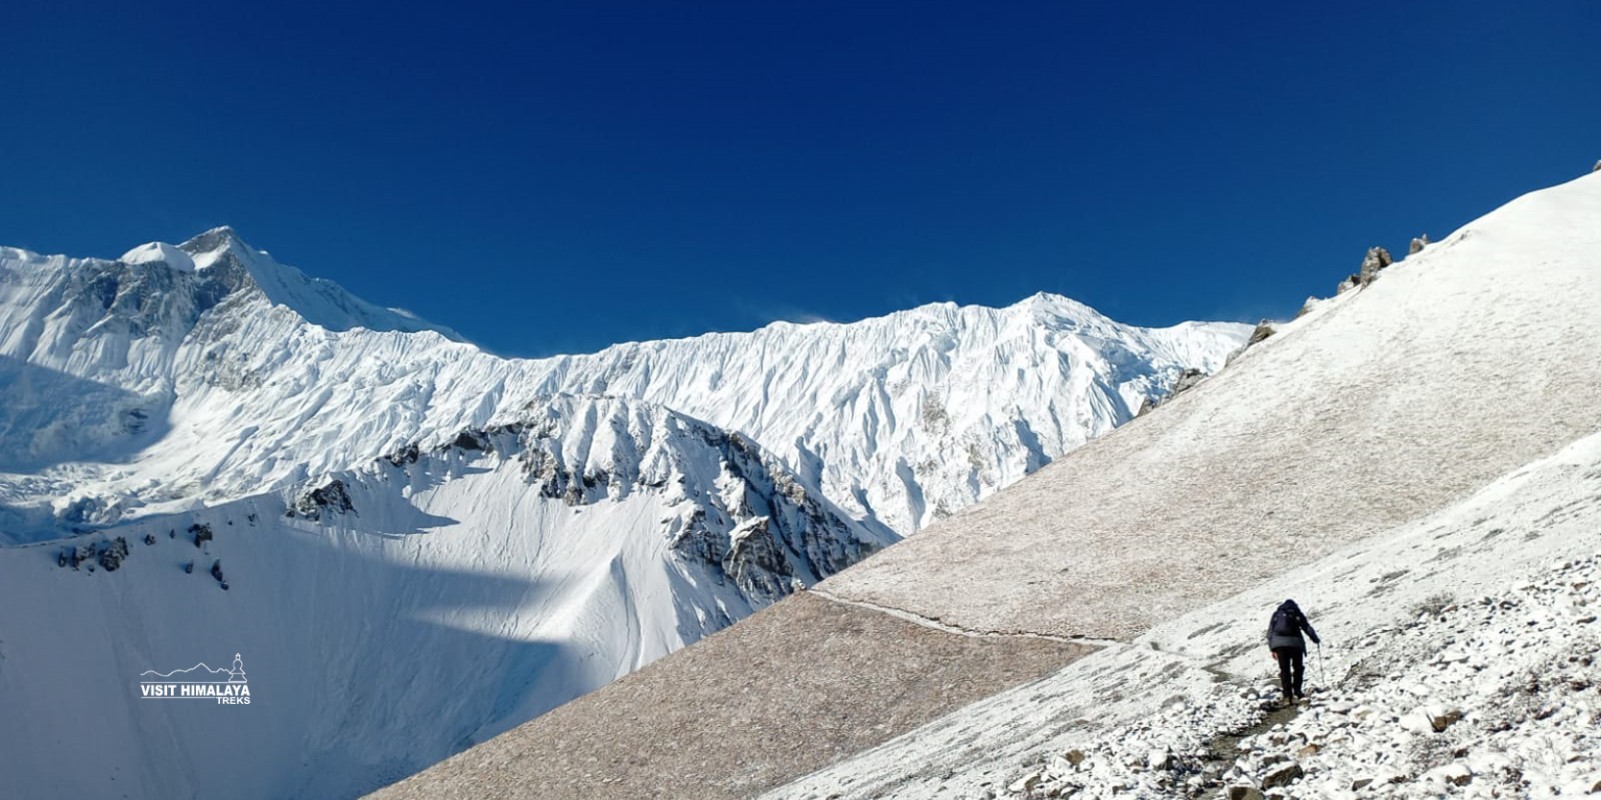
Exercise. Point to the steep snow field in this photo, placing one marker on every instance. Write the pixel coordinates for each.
(1318, 465)
(374, 650)
(418, 545)
(1509, 644)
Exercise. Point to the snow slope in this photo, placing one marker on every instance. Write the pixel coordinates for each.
(1485, 609)
(421, 544)
(1397, 412)
(393, 614)
(1360, 495)
(1459, 364)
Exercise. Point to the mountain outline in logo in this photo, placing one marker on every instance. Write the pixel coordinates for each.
(232, 690)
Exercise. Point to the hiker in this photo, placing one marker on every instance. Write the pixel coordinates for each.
(1289, 649)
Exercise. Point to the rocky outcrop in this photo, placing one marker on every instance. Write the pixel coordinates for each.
(741, 516)
(1418, 243)
(1373, 263)
(471, 440)
(331, 497)
(108, 554)
(1188, 379)
(113, 553)
(1377, 259)
(1263, 330)
(404, 456)
(757, 564)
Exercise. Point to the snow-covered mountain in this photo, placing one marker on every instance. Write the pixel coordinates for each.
(415, 544)
(1416, 461)
(209, 372)
(392, 614)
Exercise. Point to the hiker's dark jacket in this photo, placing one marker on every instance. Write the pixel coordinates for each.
(1289, 634)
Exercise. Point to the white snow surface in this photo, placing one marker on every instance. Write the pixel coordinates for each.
(1509, 577)
(424, 544)
(159, 253)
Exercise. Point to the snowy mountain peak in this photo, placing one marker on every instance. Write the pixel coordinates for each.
(159, 253)
(1057, 305)
(214, 241)
(318, 300)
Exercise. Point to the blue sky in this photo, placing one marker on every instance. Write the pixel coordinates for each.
(553, 178)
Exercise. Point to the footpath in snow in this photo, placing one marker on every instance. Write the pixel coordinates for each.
(1495, 696)
(1460, 660)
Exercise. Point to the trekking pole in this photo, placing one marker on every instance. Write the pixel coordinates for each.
(1323, 677)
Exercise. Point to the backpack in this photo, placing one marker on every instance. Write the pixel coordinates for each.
(1285, 623)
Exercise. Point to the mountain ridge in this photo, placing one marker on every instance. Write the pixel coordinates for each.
(192, 359)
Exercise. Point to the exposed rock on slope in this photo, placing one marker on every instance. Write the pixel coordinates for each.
(1377, 259)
